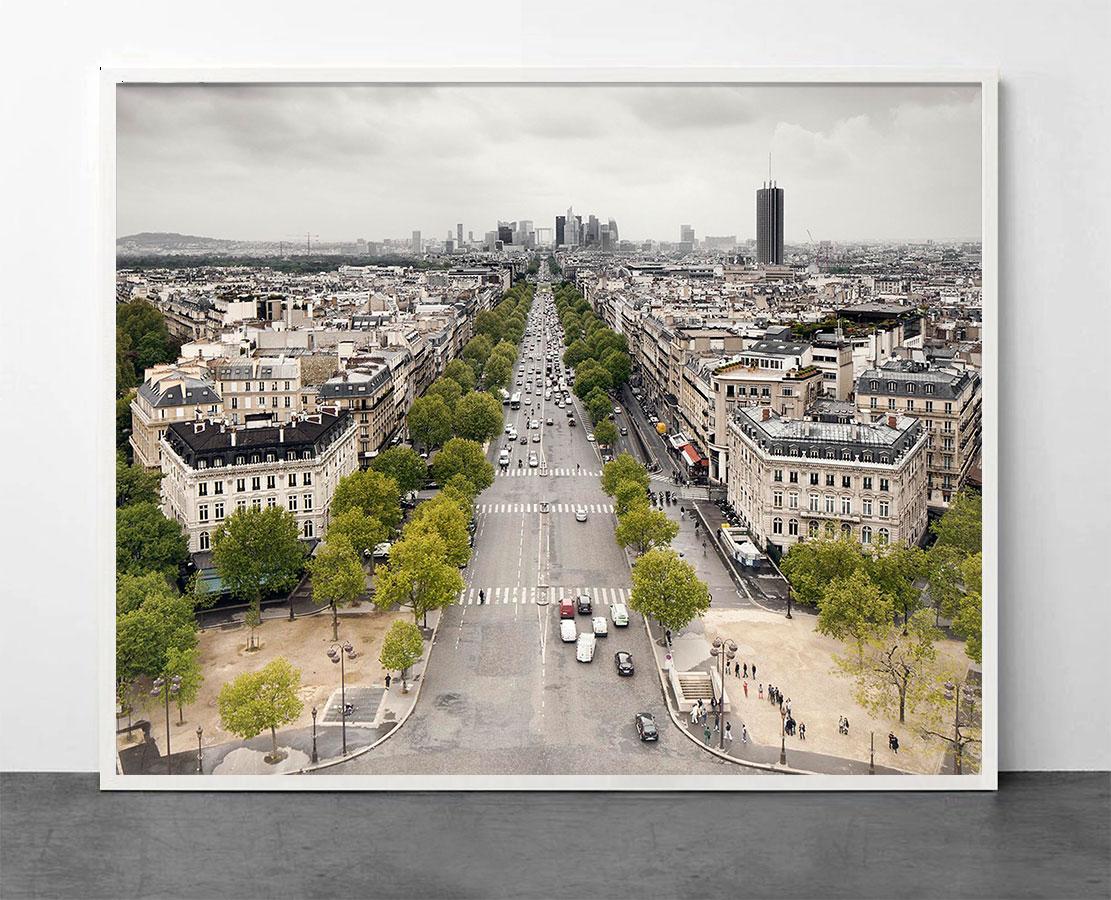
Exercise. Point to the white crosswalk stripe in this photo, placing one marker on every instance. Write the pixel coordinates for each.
(528, 594)
(559, 473)
(521, 508)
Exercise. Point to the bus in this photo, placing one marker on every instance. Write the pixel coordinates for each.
(515, 401)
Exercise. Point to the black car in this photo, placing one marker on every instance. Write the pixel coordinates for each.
(583, 605)
(624, 662)
(646, 727)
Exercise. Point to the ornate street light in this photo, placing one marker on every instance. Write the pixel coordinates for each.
(200, 754)
(336, 656)
(166, 689)
(724, 652)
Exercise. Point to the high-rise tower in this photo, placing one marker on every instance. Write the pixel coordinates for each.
(769, 225)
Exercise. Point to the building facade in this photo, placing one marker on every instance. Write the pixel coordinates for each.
(168, 394)
(252, 387)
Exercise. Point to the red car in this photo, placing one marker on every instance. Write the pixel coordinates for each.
(567, 609)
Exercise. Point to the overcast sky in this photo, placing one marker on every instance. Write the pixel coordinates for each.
(272, 162)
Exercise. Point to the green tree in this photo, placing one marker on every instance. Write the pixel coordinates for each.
(136, 484)
(255, 701)
(968, 621)
(338, 578)
(811, 565)
(462, 491)
(418, 576)
(183, 663)
(445, 517)
(145, 635)
(895, 569)
(477, 351)
(627, 495)
(667, 589)
(853, 608)
(403, 465)
(447, 390)
(257, 552)
(401, 648)
(943, 577)
(429, 420)
(361, 531)
(961, 525)
(623, 468)
(478, 417)
(377, 495)
(895, 671)
(462, 457)
(497, 372)
(132, 591)
(643, 529)
(123, 424)
(605, 432)
(147, 541)
(618, 365)
(461, 373)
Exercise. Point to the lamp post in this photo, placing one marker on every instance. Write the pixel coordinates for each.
(952, 693)
(783, 737)
(336, 656)
(200, 754)
(314, 734)
(789, 616)
(166, 689)
(872, 756)
(724, 652)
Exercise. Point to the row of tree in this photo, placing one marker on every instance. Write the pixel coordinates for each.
(142, 341)
(665, 587)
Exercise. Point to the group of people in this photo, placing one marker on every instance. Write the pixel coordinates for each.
(740, 670)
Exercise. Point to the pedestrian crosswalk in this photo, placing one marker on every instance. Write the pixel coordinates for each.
(530, 594)
(559, 473)
(490, 508)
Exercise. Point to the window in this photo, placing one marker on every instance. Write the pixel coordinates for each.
(891, 387)
(306, 500)
(271, 482)
(292, 479)
(274, 402)
(793, 500)
(306, 479)
(203, 540)
(885, 535)
(793, 527)
(812, 528)
(793, 477)
(287, 403)
(846, 481)
(256, 503)
(306, 529)
(867, 482)
(247, 387)
(829, 503)
(866, 507)
(202, 512)
(891, 403)
(948, 407)
(777, 475)
(202, 489)
(814, 478)
(929, 388)
(814, 503)
(885, 509)
(271, 502)
(777, 499)
(830, 480)
(910, 404)
(866, 534)
(874, 385)
(241, 484)
(929, 404)
(240, 505)
(885, 485)
(235, 402)
(831, 530)
(218, 511)
(777, 525)
(292, 502)
(846, 506)
(217, 487)
(846, 529)
(256, 483)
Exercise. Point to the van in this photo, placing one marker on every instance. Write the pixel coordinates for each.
(584, 647)
(503, 459)
(567, 608)
(567, 632)
(619, 614)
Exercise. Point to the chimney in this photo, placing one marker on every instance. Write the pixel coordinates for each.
(892, 422)
(232, 437)
(281, 435)
(765, 414)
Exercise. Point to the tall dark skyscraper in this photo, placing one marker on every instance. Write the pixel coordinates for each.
(769, 225)
(561, 230)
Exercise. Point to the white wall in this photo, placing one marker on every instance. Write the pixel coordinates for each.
(1054, 299)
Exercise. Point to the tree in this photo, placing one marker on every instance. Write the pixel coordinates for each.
(478, 417)
(418, 576)
(145, 634)
(943, 577)
(257, 552)
(447, 390)
(853, 608)
(136, 484)
(403, 465)
(337, 576)
(462, 374)
(497, 372)
(667, 589)
(617, 363)
(961, 525)
(361, 531)
(605, 432)
(462, 491)
(463, 457)
(643, 528)
(141, 330)
(811, 565)
(629, 494)
(132, 591)
(445, 517)
(968, 622)
(147, 541)
(255, 701)
(894, 670)
(429, 420)
(377, 495)
(623, 468)
(895, 569)
(123, 424)
(183, 663)
(401, 648)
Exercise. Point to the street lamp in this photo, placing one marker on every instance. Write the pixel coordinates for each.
(724, 652)
(166, 689)
(789, 616)
(872, 756)
(783, 737)
(314, 734)
(200, 754)
(336, 656)
(951, 693)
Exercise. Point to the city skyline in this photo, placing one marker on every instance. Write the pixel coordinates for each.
(379, 162)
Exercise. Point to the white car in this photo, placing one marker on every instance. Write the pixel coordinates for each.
(619, 614)
(533, 460)
(601, 629)
(590, 436)
(512, 433)
(584, 647)
(617, 410)
(508, 428)
(382, 550)
(567, 632)
(580, 514)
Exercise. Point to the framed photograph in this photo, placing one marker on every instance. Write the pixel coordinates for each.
(625, 429)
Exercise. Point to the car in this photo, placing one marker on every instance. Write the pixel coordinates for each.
(590, 436)
(582, 604)
(503, 459)
(513, 434)
(598, 623)
(620, 615)
(550, 421)
(617, 409)
(584, 647)
(508, 427)
(567, 608)
(523, 439)
(624, 431)
(624, 662)
(646, 726)
(580, 514)
(536, 438)
(567, 631)
(382, 550)
(533, 460)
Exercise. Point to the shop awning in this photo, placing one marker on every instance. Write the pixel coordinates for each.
(692, 456)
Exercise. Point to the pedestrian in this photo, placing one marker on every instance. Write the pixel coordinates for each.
(707, 734)
(481, 597)
(846, 724)
(703, 548)
(737, 670)
(788, 705)
(760, 688)
(802, 731)
(754, 671)
(667, 636)
(388, 679)
(840, 724)
(714, 703)
(746, 670)
(729, 731)
(694, 714)
(746, 689)
(744, 733)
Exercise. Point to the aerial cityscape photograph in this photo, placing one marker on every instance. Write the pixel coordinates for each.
(480, 430)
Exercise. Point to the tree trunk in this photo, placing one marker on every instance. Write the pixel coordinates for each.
(180, 715)
(903, 705)
(274, 741)
(335, 622)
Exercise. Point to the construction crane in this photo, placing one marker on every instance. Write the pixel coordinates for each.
(308, 236)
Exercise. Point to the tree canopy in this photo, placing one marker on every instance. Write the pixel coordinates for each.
(338, 579)
(444, 517)
(257, 701)
(643, 528)
(418, 576)
(401, 648)
(404, 466)
(460, 456)
(623, 468)
(376, 494)
(147, 541)
(430, 419)
(257, 552)
(667, 589)
(478, 417)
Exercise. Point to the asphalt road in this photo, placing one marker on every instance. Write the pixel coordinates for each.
(502, 694)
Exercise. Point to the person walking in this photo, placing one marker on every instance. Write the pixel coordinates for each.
(846, 724)
(840, 724)
(744, 733)
(703, 548)
(388, 680)
(667, 636)
(754, 671)
(481, 596)
(707, 734)
(736, 670)
(760, 688)
(788, 706)
(746, 689)
(802, 731)
(746, 670)
(729, 731)
(694, 714)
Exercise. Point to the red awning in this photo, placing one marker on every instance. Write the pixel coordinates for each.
(691, 456)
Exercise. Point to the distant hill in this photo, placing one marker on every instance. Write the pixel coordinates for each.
(170, 240)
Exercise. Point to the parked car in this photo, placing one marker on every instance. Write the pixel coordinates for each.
(580, 514)
(536, 438)
(567, 631)
(590, 436)
(624, 662)
(646, 726)
(567, 608)
(601, 628)
(583, 605)
(382, 550)
(619, 614)
(584, 647)
(617, 409)
(624, 431)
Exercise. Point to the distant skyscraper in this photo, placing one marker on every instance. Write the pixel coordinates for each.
(593, 232)
(613, 231)
(769, 225)
(686, 234)
(415, 244)
(459, 234)
(505, 232)
(561, 230)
